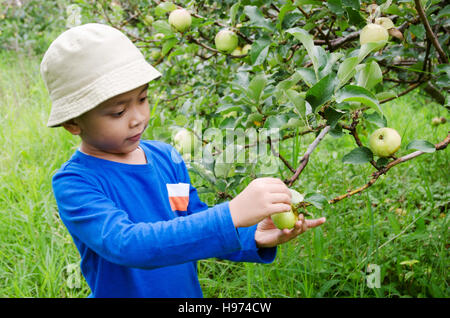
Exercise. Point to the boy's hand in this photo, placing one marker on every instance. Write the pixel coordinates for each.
(268, 235)
(261, 198)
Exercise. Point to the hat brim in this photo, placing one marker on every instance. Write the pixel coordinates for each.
(118, 81)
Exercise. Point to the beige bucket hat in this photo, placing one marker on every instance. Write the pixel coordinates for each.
(88, 64)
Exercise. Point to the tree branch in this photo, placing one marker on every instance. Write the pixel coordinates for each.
(430, 35)
(305, 158)
(354, 133)
(439, 146)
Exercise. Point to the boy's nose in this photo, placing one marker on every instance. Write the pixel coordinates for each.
(137, 118)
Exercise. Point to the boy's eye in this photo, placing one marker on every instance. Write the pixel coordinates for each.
(118, 114)
(143, 99)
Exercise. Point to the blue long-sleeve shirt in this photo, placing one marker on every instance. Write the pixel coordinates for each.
(140, 229)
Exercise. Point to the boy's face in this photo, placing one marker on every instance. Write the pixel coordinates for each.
(113, 128)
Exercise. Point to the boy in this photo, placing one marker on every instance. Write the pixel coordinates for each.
(136, 220)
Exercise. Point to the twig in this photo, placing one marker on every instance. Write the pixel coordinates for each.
(409, 89)
(277, 154)
(439, 146)
(430, 35)
(354, 133)
(190, 38)
(305, 158)
(176, 97)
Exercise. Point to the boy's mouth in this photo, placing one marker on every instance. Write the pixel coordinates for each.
(135, 137)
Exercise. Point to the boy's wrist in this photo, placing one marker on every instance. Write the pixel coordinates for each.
(233, 213)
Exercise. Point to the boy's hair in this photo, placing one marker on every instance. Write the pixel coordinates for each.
(88, 64)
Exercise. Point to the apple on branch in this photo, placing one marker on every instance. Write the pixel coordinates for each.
(226, 41)
(373, 33)
(390, 27)
(246, 48)
(436, 121)
(237, 51)
(184, 141)
(180, 20)
(287, 220)
(384, 142)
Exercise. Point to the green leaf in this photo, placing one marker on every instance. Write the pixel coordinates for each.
(257, 19)
(169, 44)
(376, 119)
(260, 48)
(297, 100)
(253, 119)
(308, 42)
(335, 6)
(289, 82)
(421, 145)
(233, 11)
(369, 75)
(354, 16)
(307, 76)
(353, 93)
(322, 91)
(292, 123)
(164, 7)
(382, 162)
(162, 26)
(202, 172)
(276, 121)
(445, 12)
(358, 156)
(330, 62)
(332, 116)
(316, 199)
(228, 108)
(347, 69)
(385, 95)
(256, 86)
(367, 48)
(354, 4)
(287, 7)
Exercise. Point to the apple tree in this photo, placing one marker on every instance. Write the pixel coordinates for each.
(296, 67)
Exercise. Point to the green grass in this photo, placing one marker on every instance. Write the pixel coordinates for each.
(402, 217)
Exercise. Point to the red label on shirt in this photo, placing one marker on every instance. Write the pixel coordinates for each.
(178, 196)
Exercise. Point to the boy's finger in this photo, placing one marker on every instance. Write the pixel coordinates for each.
(279, 188)
(280, 198)
(315, 222)
(279, 207)
(272, 180)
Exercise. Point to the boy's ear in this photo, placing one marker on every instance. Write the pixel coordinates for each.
(72, 127)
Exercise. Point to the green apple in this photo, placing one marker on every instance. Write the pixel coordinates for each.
(159, 36)
(236, 52)
(385, 23)
(226, 41)
(373, 33)
(155, 54)
(180, 20)
(384, 142)
(436, 121)
(284, 220)
(148, 20)
(246, 48)
(287, 220)
(184, 141)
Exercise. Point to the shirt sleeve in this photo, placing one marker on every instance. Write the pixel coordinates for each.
(96, 221)
(248, 252)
